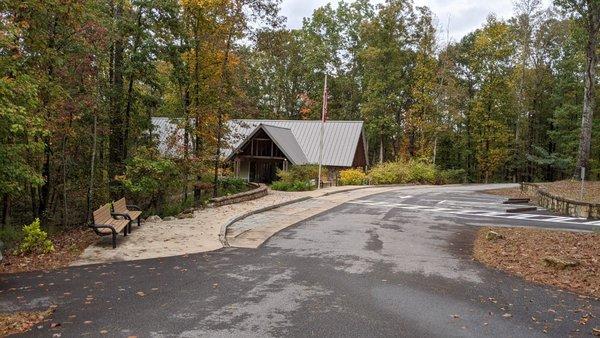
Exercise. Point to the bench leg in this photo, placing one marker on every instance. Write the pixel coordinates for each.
(125, 231)
(129, 226)
(114, 239)
(139, 222)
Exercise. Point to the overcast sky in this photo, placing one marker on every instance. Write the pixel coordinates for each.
(464, 15)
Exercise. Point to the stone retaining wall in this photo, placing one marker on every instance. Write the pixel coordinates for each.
(559, 204)
(259, 191)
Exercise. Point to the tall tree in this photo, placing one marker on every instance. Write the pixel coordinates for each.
(588, 12)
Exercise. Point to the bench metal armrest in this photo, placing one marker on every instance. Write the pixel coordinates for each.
(116, 214)
(133, 207)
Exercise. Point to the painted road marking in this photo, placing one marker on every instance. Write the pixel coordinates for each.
(482, 213)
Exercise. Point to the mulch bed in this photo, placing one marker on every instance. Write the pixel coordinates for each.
(522, 251)
(68, 246)
(18, 322)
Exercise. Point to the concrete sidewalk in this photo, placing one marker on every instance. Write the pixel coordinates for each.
(254, 230)
(186, 236)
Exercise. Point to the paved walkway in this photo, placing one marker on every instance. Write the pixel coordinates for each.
(358, 270)
(254, 230)
(186, 236)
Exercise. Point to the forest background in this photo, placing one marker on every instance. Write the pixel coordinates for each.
(80, 80)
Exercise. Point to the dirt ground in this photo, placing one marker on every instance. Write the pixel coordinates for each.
(572, 190)
(522, 252)
(566, 189)
(67, 248)
(17, 322)
(506, 192)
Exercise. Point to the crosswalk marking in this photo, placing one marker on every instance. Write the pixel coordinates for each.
(481, 213)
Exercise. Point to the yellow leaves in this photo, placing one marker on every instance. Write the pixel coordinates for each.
(203, 4)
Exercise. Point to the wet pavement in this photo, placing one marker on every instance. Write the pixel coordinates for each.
(365, 268)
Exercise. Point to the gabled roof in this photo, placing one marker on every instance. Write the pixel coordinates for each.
(283, 138)
(340, 139)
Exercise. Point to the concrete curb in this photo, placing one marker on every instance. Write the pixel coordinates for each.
(224, 226)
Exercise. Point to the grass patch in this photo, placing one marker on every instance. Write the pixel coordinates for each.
(527, 252)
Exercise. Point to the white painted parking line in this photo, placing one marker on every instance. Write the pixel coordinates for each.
(481, 213)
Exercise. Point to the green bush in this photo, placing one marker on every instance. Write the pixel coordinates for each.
(386, 173)
(301, 173)
(413, 171)
(35, 239)
(232, 185)
(150, 177)
(421, 172)
(10, 236)
(291, 186)
(450, 176)
(353, 177)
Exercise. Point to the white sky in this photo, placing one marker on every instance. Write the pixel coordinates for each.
(464, 15)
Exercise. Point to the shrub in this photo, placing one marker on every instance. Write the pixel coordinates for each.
(232, 184)
(399, 172)
(301, 173)
(150, 177)
(421, 172)
(353, 177)
(291, 186)
(10, 236)
(450, 176)
(35, 239)
(385, 173)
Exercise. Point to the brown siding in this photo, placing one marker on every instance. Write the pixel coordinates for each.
(360, 159)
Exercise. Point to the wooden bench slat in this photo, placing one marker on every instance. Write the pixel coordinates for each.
(102, 215)
(120, 206)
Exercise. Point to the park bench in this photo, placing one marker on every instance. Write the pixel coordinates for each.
(130, 212)
(104, 223)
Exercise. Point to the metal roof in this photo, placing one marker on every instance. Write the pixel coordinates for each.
(170, 135)
(340, 139)
(285, 140)
(282, 137)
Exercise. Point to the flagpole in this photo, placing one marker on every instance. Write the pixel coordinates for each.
(323, 116)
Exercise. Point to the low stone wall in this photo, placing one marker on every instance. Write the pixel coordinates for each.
(559, 204)
(259, 191)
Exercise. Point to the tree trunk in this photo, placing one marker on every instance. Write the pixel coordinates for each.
(46, 188)
(380, 148)
(65, 212)
(585, 137)
(129, 104)
(5, 210)
(90, 192)
(117, 142)
(196, 105)
(225, 90)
